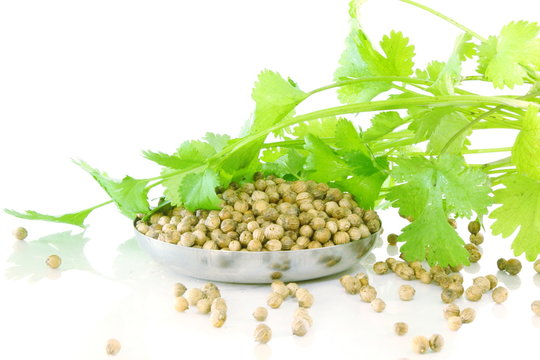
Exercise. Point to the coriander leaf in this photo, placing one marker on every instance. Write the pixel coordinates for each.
(381, 124)
(347, 137)
(360, 59)
(526, 150)
(431, 237)
(217, 141)
(520, 207)
(322, 162)
(129, 194)
(450, 74)
(432, 71)
(272, 154)
(430, 191)
(76, 218)
(189, 154)
(172, 184)
(274, 98)
(288, 166)
(325, 127)
(198, 190)
(438, 125)
(504, 59)
(163, 159)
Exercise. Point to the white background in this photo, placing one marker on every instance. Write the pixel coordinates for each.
(103, 80)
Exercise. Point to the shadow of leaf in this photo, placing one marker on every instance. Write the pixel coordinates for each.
(130, 264)
(28, 258)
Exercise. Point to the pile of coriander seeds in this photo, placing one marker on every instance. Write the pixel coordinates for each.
(269, 214)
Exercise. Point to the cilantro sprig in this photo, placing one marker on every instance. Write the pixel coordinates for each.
(412, 155)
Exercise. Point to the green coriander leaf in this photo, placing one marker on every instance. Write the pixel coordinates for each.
(504, 59)
(272, 154)
(520, 207)
(198, 190)
(323, 128)
(289, 166)
(129, 194)
(76, 218)
(399, 54)
(526, 150)
(217, 141)
(431, 237)
(450, 75)
(163, 159)
(275, 98)
(322, 162)
(438, 125)
(381, 124)
(347, 137)
(172, 184)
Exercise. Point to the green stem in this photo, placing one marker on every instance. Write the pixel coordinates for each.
(444, 17)
(371, 79)
(507, 161)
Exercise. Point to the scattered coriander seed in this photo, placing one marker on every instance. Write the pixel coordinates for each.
(279, 288)
(274, 300)
(262, 334)
(501, 264)
(499, 294)
(454, 323)
(363, 278)
(113, 347)
(401, 328)
(299, 326)
(380, 267)
(425, 277)
(392, 239)
(53, 261)
(451, 310)
(406, 292)
(448, 296)
(304, 314)
(181, 304)
(436, 342)
(473, 293)
(304, 297)
(458, 289)
(476, 239)
(467, 315)
(260, 313)
(292, 288)
(193, 296)
(493, 281)
(420, 344)
(204, 305)
(474, 255)
(368, 293)
(535, 307)
(218, 318)
(179, 289)
(474, 227)
(210, 291)
(219, 304)
(536, 266)
(513, 266)
(351, 285)
(20, 233)
(483, 283)
(378, 305)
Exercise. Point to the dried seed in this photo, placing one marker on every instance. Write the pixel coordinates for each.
(392, 239)
(420, 344)
(473, 293)
(493, 281)
(406, 292)
(535, 307)
(218, 318)
(378, 305)
(451, 310)
(113, 347)
(483, 283)
(181, 304)
(260, 313)
(193, 296)
(53, 261)
(499, 294)
(368, 293)
(274, 300)
(513, 266)
(501, 264)
(454, 323)
(401, 328)
(467, 315)
(474, 227)
(436, 342)
(299, 326)
(262, 334)
(380, 267)
(21, 233)
(448, 296)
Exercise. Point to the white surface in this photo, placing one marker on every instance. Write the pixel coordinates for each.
(103, 80)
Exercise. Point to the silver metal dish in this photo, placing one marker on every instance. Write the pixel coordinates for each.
(256, 267)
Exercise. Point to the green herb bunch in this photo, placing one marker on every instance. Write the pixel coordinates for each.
(384, 163)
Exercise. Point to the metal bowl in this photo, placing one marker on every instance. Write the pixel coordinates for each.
(254, 267)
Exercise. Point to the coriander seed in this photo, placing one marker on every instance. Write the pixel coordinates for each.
(219, 304)
(448, 296)
(454, 323)
(473, 293)
(378, 305)
(299, 326)
(363, 278)
(536, 266)
(262, 334)
(20, 233)
(501, 264)
(392, 239)
(351, 284)
(493, 281)
(304, 314)
(420, 344)
(260, 313)
(193, 296)
(181, 304)
(436, 342)
(513, 266)
(179, 289)
(401, 328)
(292, 288)
(279, 288)
(499, 294)
(483, 283)
(274, 300)
(304, 297)
(476, 239)
(204, 305)
(368, 293)
(535, 307)
(467, 315)
(474, 227)
(380, 267)
(451, 310)
(406, 292)
(113, 347)
(218, 318)
(53, 261)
